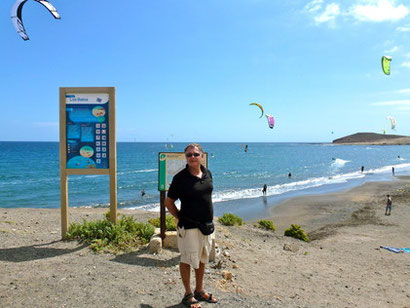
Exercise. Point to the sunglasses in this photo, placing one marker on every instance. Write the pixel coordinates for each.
(192, 154)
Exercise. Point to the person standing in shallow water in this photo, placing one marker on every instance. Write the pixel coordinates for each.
(193, 186)
(264, 189)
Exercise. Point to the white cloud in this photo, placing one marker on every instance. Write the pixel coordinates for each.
(314, 6)
(362, 10)
(330, 13)
(403, 91)
(406, 64)
(322, 13)
(378, 10)
(393, 49)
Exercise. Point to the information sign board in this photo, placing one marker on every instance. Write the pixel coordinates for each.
(87, 130)
(170, 163)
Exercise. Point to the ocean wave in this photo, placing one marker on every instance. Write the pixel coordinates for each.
(228, 195)
(338, 163)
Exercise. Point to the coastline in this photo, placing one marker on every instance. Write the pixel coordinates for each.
(342, 266)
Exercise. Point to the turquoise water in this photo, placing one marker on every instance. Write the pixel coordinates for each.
(29, 173)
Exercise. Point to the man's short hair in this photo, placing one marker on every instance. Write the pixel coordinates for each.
(194, 145)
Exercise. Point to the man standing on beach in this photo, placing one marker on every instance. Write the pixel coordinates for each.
(388, 205)
(193, 186)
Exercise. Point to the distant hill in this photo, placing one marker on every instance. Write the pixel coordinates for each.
(372, 138)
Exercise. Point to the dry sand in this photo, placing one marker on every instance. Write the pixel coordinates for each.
(342, 267)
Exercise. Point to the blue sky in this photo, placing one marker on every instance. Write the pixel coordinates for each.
(187, 70)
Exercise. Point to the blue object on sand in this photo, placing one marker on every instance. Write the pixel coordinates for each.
(396, 250)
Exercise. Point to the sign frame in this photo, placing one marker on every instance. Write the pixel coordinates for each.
(112, 152)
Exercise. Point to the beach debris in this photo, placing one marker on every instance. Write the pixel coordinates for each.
(17, 19)
(260, 106)
(392, 122)
(271, 120)
(227, 275)
(386, 64)
(291, 247)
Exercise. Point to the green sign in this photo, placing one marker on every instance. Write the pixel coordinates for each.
(170, 163)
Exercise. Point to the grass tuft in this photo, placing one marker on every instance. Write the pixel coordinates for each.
(266, 224)
(297, 232)
(229, 219)
(104, 236)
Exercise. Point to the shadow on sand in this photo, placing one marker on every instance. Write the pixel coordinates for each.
(35, 252)
(143, 258)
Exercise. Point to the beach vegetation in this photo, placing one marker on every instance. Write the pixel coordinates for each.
(170, 223)
(266, 224)
(229, 219)
(105, 236)
(297, 232)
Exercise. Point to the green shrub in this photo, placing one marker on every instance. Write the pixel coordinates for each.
(103, 235)
(266, 224)
(297, 232)
(229, 219)
(170, 224)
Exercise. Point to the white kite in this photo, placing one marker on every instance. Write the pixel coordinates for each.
(17, 19)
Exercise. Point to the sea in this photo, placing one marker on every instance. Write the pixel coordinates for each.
(30, 175)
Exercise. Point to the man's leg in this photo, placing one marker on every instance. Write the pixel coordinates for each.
(185, 271)
(199, 277)
(199, 280)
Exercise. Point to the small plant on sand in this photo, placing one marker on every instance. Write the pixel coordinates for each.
(170, 224)
(229, 219)
(297, 232)
(266, 224)
(103, 235)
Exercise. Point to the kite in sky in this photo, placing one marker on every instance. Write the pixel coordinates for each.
(392, 122)
(17, 19)
(271, 120)
(386, 64)
(256, 104)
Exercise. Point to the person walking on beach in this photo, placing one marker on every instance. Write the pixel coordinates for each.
(362, 169)
(193, 186)
(388, 205)
(392, 170)
(265, 187)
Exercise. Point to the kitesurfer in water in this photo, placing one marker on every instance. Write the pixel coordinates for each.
(289, 175)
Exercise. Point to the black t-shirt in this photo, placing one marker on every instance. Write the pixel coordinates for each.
(195, 195)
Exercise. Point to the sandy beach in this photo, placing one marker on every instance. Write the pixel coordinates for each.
(342, 266)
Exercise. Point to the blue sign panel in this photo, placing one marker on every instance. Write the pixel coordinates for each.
(87, 125)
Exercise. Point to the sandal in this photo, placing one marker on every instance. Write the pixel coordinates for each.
(202, 297)
(188, 302)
